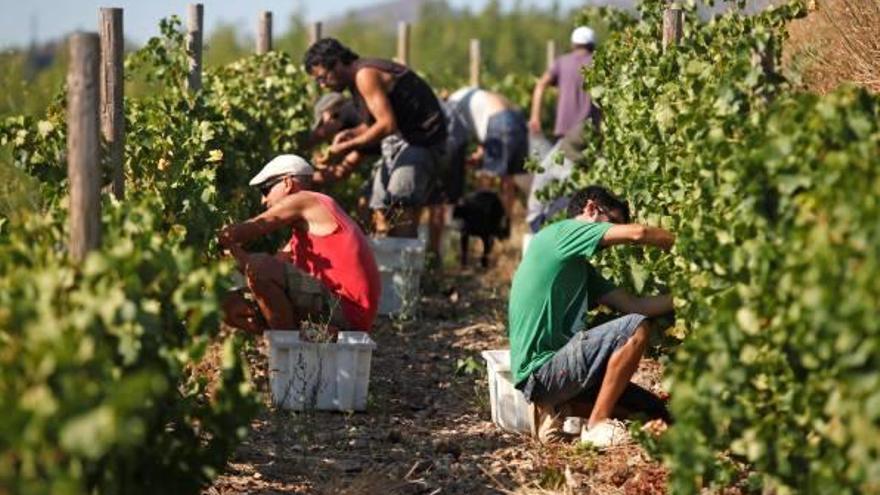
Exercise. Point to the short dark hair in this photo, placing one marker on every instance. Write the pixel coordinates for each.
(603, 198)
(590, 47)
(326, 52)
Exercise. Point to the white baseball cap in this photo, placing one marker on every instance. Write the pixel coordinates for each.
(583, 36)
(282, 165)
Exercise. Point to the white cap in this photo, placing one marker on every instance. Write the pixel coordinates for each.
(583, 36)
(282, 165)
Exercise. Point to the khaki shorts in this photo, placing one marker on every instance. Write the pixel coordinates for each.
(311, 300)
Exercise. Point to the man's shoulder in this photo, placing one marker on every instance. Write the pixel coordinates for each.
(576, 230)
(302, 199)
(549, 230)
(314, 197)
(546, 238)
(460, 94)
(561, 224)
(371, 77)
(575, 59)
(375, 67)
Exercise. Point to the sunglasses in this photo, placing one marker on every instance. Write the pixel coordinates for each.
(267, 186)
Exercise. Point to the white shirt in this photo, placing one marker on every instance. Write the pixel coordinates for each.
(473, 104)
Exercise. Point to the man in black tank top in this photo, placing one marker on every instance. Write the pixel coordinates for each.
(401, 103)
(393, 101)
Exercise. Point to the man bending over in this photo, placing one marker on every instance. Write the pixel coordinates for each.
(392, 101)
(502, 135)
(325, 272)
(562, 368)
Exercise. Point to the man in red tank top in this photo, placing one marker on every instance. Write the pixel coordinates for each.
(325, 273)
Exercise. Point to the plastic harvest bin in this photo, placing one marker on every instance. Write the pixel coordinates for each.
(325, 376)
(400, 263)
(510, 410)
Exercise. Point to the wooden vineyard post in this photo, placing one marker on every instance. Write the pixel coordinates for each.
(264, 33)
(83, 156)
(111, 91)
(315, 33)
(475, 62)
(673, 25)
(403, 43)
(194, 23)
(551, 53)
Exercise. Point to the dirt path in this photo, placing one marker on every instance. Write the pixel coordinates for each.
(428, 429)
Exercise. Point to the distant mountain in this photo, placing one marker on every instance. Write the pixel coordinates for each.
(388, 13)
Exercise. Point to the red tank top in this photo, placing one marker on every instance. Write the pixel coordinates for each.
(343, 261)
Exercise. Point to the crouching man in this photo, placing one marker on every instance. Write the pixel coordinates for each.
(562, 368)
(325, 273)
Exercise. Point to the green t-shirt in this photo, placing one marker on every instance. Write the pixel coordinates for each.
(552, 289)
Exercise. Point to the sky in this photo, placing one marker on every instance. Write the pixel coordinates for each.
(53, 19)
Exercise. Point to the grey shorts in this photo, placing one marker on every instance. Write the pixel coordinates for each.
(405, 175)
(579, 366)
(507, 143)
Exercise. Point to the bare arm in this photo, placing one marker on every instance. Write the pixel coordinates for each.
(537, 97)
(623, 301)
(369, 85)
(286, 212)
(241, 256)
(634, 233)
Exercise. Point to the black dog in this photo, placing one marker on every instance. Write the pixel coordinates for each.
(481, 214)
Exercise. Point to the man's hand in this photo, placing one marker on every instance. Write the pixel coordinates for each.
(225, 238)
(338, 146)
(342, 143)
(343, 136)
(339, 149)
(229, 243)
(475, 159)
(535, 126)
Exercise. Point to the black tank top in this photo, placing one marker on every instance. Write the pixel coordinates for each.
(420, 119)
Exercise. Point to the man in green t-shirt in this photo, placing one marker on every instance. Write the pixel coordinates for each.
(559, 365)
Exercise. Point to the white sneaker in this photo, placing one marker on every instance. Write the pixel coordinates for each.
(608, 433)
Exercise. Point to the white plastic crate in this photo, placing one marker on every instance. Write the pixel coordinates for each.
(400, 261)
(325, 376)
(510, 409)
